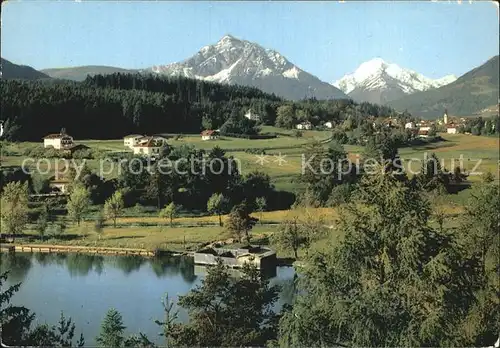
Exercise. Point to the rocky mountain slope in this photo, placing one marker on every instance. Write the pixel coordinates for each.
(470, 94)
(241, 62)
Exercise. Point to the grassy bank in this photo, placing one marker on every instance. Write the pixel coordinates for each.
(188, 233)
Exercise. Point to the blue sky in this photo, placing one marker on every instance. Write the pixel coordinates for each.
(327, 39)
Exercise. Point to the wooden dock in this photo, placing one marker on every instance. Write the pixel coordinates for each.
(6, 248)
(40, 248)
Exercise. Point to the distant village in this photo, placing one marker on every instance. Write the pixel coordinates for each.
(446, 124)
(151, 145)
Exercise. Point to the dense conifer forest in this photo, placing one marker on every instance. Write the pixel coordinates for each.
(111, 106)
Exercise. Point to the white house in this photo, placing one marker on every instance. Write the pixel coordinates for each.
(409, 125)
(149, 147)
(450, 129)
(131, 140)
(328, 124)
(425, 128)
(423, 133)
(58, 140)
(209, 135)
(304, 125)
(252, 116)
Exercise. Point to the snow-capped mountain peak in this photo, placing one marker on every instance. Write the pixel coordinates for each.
(379, 81)
(235, 61)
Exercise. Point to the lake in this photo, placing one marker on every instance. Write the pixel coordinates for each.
(84, 287)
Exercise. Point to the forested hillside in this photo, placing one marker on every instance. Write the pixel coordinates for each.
(106, 107)
(14, 71)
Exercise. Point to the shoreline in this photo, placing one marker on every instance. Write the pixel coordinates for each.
(53, 248)
(50, 248)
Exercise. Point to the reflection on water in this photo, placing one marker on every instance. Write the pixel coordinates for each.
(19, 264)
(85, 286)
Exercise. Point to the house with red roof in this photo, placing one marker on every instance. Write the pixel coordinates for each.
(58, 141)
(148, 146)
(209, 134)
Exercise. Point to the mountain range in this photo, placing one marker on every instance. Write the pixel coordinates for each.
(242, 62)
(471, 94)
(377, 81)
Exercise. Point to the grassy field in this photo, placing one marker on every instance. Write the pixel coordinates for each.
(146, 230)
(479, 151)
(475, 150)
(285, 144)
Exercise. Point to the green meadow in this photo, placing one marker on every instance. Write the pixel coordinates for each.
(283, 155)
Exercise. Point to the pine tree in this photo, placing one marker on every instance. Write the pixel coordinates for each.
(112, 330)
(391, 281)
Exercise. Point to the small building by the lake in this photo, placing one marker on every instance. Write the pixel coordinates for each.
(236, 257)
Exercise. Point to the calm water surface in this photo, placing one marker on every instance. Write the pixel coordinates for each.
(84, 287)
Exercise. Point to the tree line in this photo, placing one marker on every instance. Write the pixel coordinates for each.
(111, 106)
(481, 126)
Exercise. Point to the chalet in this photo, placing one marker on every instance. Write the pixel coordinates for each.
(209, 135)
(304, 125)
(131, 140)
(148, 146)
(252, 116)
(423, 133)
(58, 141)
(328, 124)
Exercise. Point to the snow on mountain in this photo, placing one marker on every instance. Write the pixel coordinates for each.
(236, 61)
(379, 82)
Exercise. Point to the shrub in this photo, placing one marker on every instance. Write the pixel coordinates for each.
(340, 194)
(83, 154)
(256, 151)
